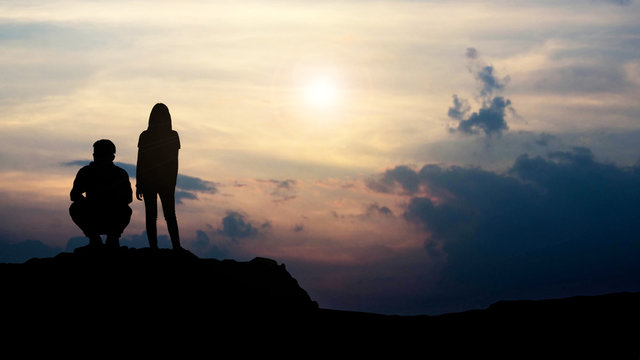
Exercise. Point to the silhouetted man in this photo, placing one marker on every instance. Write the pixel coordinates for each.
(105, 208)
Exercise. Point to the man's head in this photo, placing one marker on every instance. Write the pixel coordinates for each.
(104, 151)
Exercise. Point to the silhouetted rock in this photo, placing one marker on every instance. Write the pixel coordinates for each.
(582, 327)
(163, 283)
(162, 298)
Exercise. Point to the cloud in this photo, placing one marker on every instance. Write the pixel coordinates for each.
(490, 82)
(620, 2)
(59, 59)
(180, 195)
(490, 119)
(284, 190)
(141, 241)
(402, 175)
(376, 210)
(205, 247)
(576, 79)
(22, 251)
(191, 183)
(372, 211)
(76, 242)
(471, 53)
(235, 226)
(459, 109)
(132, 241)
(202, 239)
(558, 223)
(186, 186)
(545, 139)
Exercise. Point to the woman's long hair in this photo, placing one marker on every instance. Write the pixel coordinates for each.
(159, 119)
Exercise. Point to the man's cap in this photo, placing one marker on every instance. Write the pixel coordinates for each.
(104, 146)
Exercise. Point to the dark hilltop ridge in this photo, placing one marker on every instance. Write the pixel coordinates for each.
(153, 281)
(141, 295)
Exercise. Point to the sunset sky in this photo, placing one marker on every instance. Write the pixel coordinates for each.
(400, 157)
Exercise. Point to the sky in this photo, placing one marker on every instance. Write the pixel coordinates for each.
(399, 157)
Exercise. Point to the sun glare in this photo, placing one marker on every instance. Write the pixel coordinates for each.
(321, 92)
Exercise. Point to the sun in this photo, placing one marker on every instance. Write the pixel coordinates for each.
(321, 92)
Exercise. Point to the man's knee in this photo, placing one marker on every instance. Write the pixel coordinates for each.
(123, 216)
(79, 213)
(126, 213)
(76, 209)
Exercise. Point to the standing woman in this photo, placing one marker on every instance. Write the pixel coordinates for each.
(156, 173)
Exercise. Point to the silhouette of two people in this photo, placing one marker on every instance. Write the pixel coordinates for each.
(101, 191)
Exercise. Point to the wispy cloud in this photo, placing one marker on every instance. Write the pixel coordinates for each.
(281, 190)
(620, 2)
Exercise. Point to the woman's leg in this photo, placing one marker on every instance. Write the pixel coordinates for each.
(151, 215)
(169, 210)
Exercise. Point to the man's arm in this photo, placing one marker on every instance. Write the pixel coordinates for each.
(130, 193)
(79, 187)
(140, 165)
(125, 188)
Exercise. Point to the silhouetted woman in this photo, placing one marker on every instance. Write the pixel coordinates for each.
(156, 173)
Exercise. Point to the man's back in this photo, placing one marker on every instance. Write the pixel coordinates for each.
(104, 184)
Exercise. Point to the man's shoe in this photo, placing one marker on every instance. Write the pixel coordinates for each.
(113, 242)
(95, 241)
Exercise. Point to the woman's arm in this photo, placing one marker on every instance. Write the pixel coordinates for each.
(139, 169)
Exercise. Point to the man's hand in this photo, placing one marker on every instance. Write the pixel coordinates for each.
(75, 197)
(138, 194)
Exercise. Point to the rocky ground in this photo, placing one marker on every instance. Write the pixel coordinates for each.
(157, 301)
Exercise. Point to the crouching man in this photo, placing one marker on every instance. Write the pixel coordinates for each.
(101, 195)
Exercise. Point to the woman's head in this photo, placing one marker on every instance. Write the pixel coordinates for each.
(160, 119)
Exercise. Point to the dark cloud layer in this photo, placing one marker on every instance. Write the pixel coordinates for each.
(186, 186)
(562, 223)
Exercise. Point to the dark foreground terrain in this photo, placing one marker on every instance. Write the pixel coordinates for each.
(138, 302)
